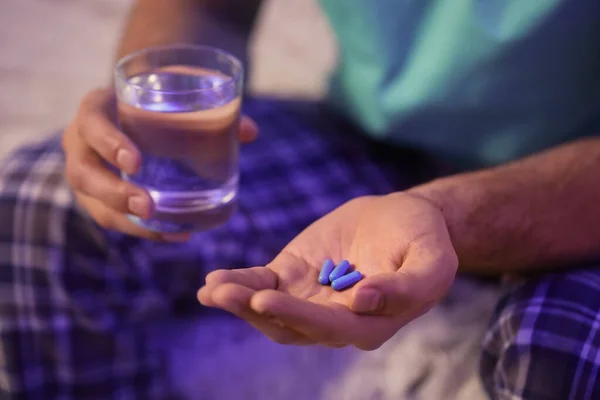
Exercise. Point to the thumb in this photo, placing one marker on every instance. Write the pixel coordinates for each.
(388, 293)
(416, 286)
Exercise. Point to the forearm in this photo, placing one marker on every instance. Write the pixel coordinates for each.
(538, 213)
(159, 22)
(226, 24)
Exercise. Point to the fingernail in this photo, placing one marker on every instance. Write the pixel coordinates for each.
(126, 161)
(140, 206)
(367, 300)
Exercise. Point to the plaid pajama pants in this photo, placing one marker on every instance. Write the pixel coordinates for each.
(76, 301)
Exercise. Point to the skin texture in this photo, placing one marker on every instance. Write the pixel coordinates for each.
(92, 139)
(528, 216)
(399, 242)
(536, 214)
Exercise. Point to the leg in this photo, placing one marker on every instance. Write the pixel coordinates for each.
(544, 340)
(70, 321)
(74, 299)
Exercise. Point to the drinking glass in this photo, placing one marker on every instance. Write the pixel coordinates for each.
(180, 105)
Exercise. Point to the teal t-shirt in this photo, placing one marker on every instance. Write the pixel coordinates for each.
(481, 81)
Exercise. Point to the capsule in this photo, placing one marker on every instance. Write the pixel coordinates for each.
(326, 269)
(346, 281)
(339, 271)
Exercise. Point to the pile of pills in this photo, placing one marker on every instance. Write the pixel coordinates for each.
(338, 275)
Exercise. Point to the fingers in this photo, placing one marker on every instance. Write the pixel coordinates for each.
(88, 176)
(91, 142)
(112, 220)
(248, 130)
(389, 293)
(424, 277)
(333, 325)
(236, 298)
(256, 278)
(328, 324)
(93, 139)
(99, 132)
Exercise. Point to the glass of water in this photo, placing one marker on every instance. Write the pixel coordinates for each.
(180, 105)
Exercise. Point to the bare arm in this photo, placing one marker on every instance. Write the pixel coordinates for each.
(538, 213)
(93, 139)
(159, 22)
(223, 23)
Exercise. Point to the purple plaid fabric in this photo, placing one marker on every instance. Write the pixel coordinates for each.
(75, 300)
(544, 340)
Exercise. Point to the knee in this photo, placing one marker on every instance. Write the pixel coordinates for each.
(35, 201)
(544, 340)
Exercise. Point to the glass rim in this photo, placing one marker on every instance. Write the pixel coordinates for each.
(228, 80)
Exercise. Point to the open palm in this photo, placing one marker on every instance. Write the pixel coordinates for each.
(399, 242)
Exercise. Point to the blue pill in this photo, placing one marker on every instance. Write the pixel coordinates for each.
(346, 280)
(326, 269)
(339, 271)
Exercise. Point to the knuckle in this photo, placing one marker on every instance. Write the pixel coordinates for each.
(121, 192)
(95, 129)
(118, 202)
(115, 196)
(112, 144)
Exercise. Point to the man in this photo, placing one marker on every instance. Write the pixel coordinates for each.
(474, 83)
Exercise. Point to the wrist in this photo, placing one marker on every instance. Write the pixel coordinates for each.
(446, 194)
(457, 198)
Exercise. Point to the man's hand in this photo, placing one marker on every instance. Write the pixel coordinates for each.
(91, 142)
(399, 242)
